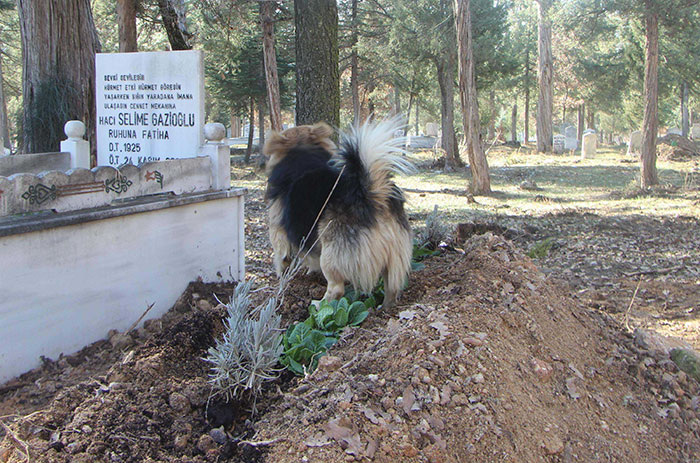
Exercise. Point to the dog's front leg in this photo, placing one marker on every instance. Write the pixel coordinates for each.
(336, 283)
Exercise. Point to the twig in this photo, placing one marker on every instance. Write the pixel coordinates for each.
(661, 271)
(148, 309)
(17, 440)
(634, 296)
(259, 443)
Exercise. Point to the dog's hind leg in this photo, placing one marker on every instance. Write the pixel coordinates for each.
(336, 283)
(391, 293)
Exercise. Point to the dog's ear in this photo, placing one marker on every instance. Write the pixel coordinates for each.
(275, 142)
(321, 130)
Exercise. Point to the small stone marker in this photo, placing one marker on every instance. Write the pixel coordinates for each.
(559, 144)
(589, 145)
(571, 141)
(431, 129)
(635, 144)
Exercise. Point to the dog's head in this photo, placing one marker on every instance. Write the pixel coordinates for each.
(279, 143)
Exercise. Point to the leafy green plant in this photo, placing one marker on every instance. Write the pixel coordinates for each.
(420, 253)
(541, 249)
(305, 342)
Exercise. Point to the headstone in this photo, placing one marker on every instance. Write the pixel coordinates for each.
(635, 144)
(150, 106)
(559, 144)
(431, 129)
(589, 145)
(588, 131)
(571, 141)
(675, 131)
(695, 132)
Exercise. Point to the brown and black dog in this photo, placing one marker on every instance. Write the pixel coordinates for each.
(340, 207)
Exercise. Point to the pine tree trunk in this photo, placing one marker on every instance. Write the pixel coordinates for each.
(545, 71)
(492, 115)
(581, 122)
(267, 21)
(591, 119)
(685, 123)
(354, 67)
(481, 183)
(251, 130)
(172, 13)
(514, 123)
(261, 123)
(445, 68)
(59, 42)
(4, 121)
(397, 101)
(527, 97)
(417, 117)
(126, 14)
(650, 124)
(318, 81)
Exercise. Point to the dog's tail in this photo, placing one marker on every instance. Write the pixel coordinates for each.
(373, 151)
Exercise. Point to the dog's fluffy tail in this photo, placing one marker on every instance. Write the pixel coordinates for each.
(374, 148)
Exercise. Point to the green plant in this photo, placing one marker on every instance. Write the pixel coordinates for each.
(541, 249)
(248, 353)
(421, 252)
(305, 342)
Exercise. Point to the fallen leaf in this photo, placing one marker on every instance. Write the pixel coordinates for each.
(348, 439)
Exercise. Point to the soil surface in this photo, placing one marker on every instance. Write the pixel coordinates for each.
(490, 356)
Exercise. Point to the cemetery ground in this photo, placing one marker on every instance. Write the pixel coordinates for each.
(527, 339)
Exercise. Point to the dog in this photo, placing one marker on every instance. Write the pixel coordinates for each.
(339, 207)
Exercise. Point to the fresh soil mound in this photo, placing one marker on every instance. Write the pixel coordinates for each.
(487, 361)
(675, 147)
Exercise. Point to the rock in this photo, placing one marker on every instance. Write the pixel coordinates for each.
(478, 378)
(204, 305)
(218, 435)
(435, 454)
(541, 369)
(529, 185)
(179, 403)
(329, 363)
(688, 361)
(74, 447)
(552, 444)
(460, 399)
(205, 443)
(181, 441)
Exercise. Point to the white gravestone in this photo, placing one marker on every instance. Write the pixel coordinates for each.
(431, 129)
(571, 142)
(559, 144)
(695, 132)
(674, 131)
(150, 106)
(589, 145)
(635, 144)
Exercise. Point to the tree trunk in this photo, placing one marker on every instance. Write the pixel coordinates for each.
(492, 115)
(685, 124)
(481, 183)
(354, 66)
(408, 112)
(417, 119)
(545, 71)
(527, 96)
(591, 119)
(59, 42)
(370, 101)
(445, 68)
(514, 123)
(318, 81)
(251, 130)
(235, 126)
(267, 21)
(261, 123)
(173, 14)
(581, 122)
(649, 175)
(4, 121)
(397, 101)
(126, 15)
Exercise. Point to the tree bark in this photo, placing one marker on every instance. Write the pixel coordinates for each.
(514, 123)
(318, 80)
(649, 176)
(492, 115)
(545, 72)
(417, 117)
(172, 13)
(261, 124)
(481, 183)
(397, 101)
(581, 122)
(59, 42)
(445, 71)
(251, 130)
(527, 96)
(267, 22)
(4, 121)
(685, 123)
(126, 14)
(354, 67)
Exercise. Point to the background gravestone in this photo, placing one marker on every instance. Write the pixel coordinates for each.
(589, 145)
(559, 144)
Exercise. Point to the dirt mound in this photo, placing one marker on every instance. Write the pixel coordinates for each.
(675, 147)
(487, 361)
